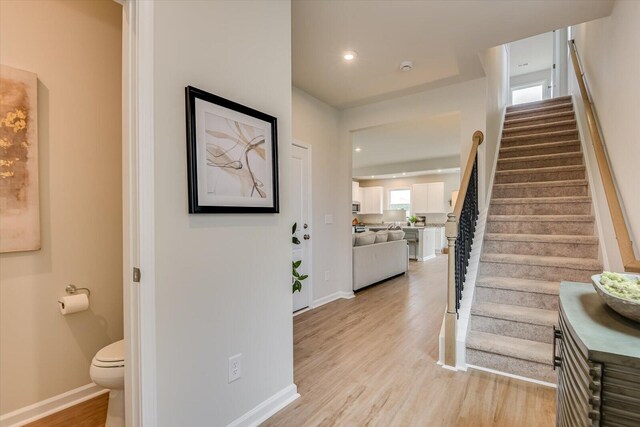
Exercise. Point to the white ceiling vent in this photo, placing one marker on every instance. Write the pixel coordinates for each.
(406, 66)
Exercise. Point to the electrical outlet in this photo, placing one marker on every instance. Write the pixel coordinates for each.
(327, 275)
(235, 367)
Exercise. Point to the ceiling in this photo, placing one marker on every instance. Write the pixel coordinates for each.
(531, 54)
(441, 37)
(401, 142)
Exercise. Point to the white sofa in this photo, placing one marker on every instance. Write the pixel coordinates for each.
(375, 262)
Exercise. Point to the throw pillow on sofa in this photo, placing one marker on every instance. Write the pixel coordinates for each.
(366, 238)
(382, 236)
(395, 235)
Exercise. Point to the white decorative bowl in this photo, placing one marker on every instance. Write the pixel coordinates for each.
(624, 307)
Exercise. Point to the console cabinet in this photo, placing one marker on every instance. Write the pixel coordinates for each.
(597, 353)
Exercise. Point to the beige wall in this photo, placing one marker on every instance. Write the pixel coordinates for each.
(223, 282)
(316, 124)
(75, 48)
(609, 49)
(495, 62)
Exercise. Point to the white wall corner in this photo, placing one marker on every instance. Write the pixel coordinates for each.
(495, 158)
(266, 409)
(332, 297)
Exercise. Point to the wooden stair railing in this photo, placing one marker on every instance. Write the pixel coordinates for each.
(459, 229)
(615, 208)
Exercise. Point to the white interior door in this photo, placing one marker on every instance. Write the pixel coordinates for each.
(301, 188)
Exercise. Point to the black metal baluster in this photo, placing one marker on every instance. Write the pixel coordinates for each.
(466, 229)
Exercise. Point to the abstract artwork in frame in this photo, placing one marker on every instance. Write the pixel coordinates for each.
(232, 156)
(19, 197)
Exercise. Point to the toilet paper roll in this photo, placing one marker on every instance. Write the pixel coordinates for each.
(73, 303)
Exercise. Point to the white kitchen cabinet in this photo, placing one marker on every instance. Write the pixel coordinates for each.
(355, 192)
(371, 202)
(427, 198)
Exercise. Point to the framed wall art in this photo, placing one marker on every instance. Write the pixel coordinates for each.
(232, 156)
(19, 193)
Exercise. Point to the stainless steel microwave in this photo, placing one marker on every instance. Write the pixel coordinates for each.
(355, 207)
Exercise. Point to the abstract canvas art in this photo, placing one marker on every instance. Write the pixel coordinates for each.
(19, 205)
(232, 156)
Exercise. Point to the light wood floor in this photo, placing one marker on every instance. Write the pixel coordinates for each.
(371, 361)
(91, 413)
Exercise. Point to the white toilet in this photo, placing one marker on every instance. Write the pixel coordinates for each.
(107, 370)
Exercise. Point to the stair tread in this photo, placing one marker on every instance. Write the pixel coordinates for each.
(531, 218)
(538, 104)
(542, 200)
(541, 157)
(521, 285)
(518, 348)
(539, 111)
(562, 183)
(539, 135)
(541, 125)
(538, 146)
(544, 261)
(516, 313)
(543, 238)
(541, 170)
(540, 117)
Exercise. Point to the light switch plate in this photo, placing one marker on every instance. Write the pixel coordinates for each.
(328, 219)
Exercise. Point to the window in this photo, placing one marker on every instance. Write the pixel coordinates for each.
(527, 94)
(400, 198)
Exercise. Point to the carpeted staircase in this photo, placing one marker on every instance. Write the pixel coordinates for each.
(540, 230)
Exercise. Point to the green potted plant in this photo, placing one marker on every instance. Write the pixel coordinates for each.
(412, 220)
(296, 277)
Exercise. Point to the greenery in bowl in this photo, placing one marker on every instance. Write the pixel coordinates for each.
(621, 285)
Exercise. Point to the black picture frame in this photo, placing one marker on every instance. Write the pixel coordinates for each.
(196, 149)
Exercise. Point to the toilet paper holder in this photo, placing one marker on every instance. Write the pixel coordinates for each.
(73, 289)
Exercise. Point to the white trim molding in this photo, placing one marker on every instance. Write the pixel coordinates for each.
(332, 297)
(267, 408)
(508, 375)
(54, 404)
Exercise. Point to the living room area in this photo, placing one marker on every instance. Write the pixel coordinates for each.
(405, 180)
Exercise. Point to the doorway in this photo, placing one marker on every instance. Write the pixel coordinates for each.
(301, 207)
(531, 69)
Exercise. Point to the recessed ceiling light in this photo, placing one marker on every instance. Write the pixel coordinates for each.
(349, 55)
(358, 149)
(394, 176)
(439, 170)
(404, 173)
(373, 176)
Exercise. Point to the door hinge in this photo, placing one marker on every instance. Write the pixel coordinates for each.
(136, 274)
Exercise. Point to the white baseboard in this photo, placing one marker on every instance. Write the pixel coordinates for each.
(267, 408)
(517, 377)
(50, 406)
(426, 258)
(332, 297)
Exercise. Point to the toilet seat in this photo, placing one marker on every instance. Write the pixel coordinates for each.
(111, 356)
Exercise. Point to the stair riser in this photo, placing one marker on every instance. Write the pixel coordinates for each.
(538, 272)
(541, 119)
(523, 368)
(541, 227)
(513, 329)
(534, 176)
(569, 208)
(504, 165)
(550, 127)
(539, 139)
(539, 104)
(574, 190)
(573, 250)
(557, 149)
(513, 297)
(536, 114)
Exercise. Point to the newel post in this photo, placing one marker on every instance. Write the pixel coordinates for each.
(451, 231)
